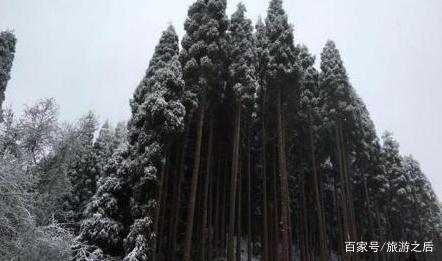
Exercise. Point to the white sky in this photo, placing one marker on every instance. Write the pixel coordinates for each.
(91, 54)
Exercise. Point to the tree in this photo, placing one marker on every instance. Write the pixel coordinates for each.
(15, 206)
(261, 55)
(309, 116)
(104, 146)
(157, 118)
(336, 93)
(396, 183)
(107, 213)
(7, 52)
(243, 83)
(282, 72)
(38, 128)
(28, 173)
(82, 172)
(203, 60)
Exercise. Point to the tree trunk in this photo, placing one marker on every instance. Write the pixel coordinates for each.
(223, 221)
(340, 226)
(318, 199)
(275, 218)
(163, 208)
(217, 227)
(249, 198)
(233, 181)
(264, 233)
(194, 182)
(205, 229)
(345, 226)
(180, 173)
(158, 208)
(349, 186)
(369, 213)
(174, 201)
(239, 209)
(302, 241)
(283, 180)
(378, 224)
(306, 232)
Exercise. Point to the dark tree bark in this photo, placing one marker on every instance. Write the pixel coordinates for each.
(239, 210)
(264, 233)
(194, 182)
(158, 209)
(233, 181)
(318, 199)
(174, 229)
(205, 228)
(249, 198)
(283, 179)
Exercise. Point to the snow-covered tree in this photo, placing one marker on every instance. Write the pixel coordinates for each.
(424, 214)
(242, 80)
(7, 52)
(338, 101)
(32, 183)
(120, 135)
(242, 53)
(15, 206)
(203, 58)
(38, 128)
(157, 116)
(397, 181)
(282, 74)
(107, 213)
(260, 38)
(9, 134)
(103, 146)
(82, 169)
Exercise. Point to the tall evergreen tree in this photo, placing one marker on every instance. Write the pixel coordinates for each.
(425, 221)
(103, 146)
(282, 72)
(82, 172)
(7, 52)
(309, 117)
(107, 216)
(336, 91)
(203, 61)
(157, 117)
(242, 79)
(260, 38)
(397, 194)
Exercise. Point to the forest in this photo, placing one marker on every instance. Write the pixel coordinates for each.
(241, 145)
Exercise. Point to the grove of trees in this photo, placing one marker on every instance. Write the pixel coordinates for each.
(239, 147)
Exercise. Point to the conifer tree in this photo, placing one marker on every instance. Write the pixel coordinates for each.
(157, 117)
(309, 116)
(243, 83)
(203, 61)
(260, 38)
(281, 72)
(82, 171)
(336, 94)
(7, 52)
(103, 146)
(396, 185)
(426, 207)
(107, 214)
(424, 203)
(120, 135)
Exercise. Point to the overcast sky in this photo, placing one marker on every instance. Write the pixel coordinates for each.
(91, 54)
